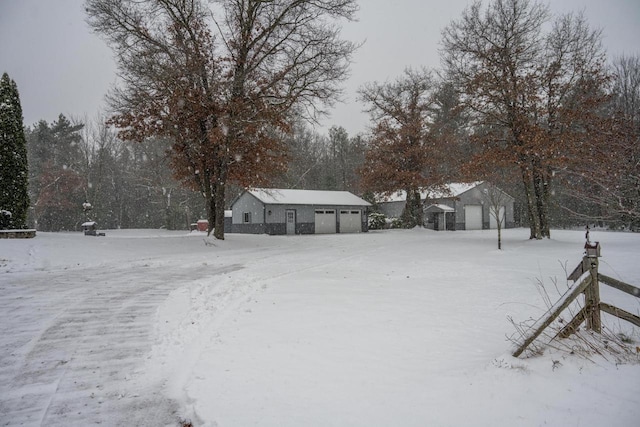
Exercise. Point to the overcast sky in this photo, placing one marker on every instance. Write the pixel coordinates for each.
(61, 67)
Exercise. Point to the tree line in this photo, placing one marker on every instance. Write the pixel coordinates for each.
(525, 100)
(218, 97)
(126, 185)
(132, 185)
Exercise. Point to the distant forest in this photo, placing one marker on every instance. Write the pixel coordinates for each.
(131, 185)
(524, 99)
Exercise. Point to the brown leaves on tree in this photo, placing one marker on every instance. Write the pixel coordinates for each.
(405, 150)
(224, 100)
(533, 95)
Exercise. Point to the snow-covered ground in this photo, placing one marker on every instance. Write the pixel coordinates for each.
(389, 328)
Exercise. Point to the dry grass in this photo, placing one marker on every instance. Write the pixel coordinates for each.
(619, 342)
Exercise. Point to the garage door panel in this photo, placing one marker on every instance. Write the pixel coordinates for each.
(473, 217)
(325, 220)
(350, 221)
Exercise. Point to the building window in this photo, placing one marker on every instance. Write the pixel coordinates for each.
(246, 217)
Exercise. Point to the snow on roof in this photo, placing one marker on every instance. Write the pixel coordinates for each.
(455, 189)
(275, 196)
(89, 223)
(441, 207)
(450, 190)
(400, 196)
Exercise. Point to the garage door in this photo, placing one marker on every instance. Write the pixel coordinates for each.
(325, 221)
(493, 223)
(350, 221)
(473, 217)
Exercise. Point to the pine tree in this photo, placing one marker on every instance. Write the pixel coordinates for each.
(14, 197)
(55, 160)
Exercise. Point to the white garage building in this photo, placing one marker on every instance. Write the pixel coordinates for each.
(283, 211)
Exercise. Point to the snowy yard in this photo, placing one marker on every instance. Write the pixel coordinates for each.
(389, 328)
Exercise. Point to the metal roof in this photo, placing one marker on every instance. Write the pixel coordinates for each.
(276, 196)
(449, 190)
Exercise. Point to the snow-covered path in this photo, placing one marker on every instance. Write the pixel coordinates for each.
(384, 328)
(72, 357)
(76, 335)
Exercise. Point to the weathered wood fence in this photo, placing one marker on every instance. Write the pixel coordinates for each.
(587, 281)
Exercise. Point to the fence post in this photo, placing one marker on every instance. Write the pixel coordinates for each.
(592, 295)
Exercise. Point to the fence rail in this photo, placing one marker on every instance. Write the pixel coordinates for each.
(586, 281)
(624, 287)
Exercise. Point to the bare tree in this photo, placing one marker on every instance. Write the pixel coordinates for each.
(402, 154)
(497, 201)
(605, 183)
(222, 95)
(626, 88)
(534, 93)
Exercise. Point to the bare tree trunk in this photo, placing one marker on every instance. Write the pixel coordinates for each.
(546, 197)
(542, 209)
(534, 219)
(218, 231)
(209, 200)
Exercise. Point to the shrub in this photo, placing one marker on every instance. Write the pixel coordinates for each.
(395, 223)
(5, 220)
(377, 221)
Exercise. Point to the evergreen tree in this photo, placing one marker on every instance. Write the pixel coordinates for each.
(56, 183)
(14, 196)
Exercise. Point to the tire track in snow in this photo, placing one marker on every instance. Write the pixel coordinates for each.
(76, 355)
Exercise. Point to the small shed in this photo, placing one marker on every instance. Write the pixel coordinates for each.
(90, 228)
(283, 211)
(441, 221)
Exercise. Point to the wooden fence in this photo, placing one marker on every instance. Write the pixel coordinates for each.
(587, 281)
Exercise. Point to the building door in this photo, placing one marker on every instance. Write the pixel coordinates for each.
(291, 221)
(325, 221)
(350, 221)
(473, 217)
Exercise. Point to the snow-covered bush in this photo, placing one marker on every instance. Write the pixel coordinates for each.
(395, 223)
(377, 221)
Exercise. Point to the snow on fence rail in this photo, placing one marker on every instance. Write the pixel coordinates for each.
(587, 280)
